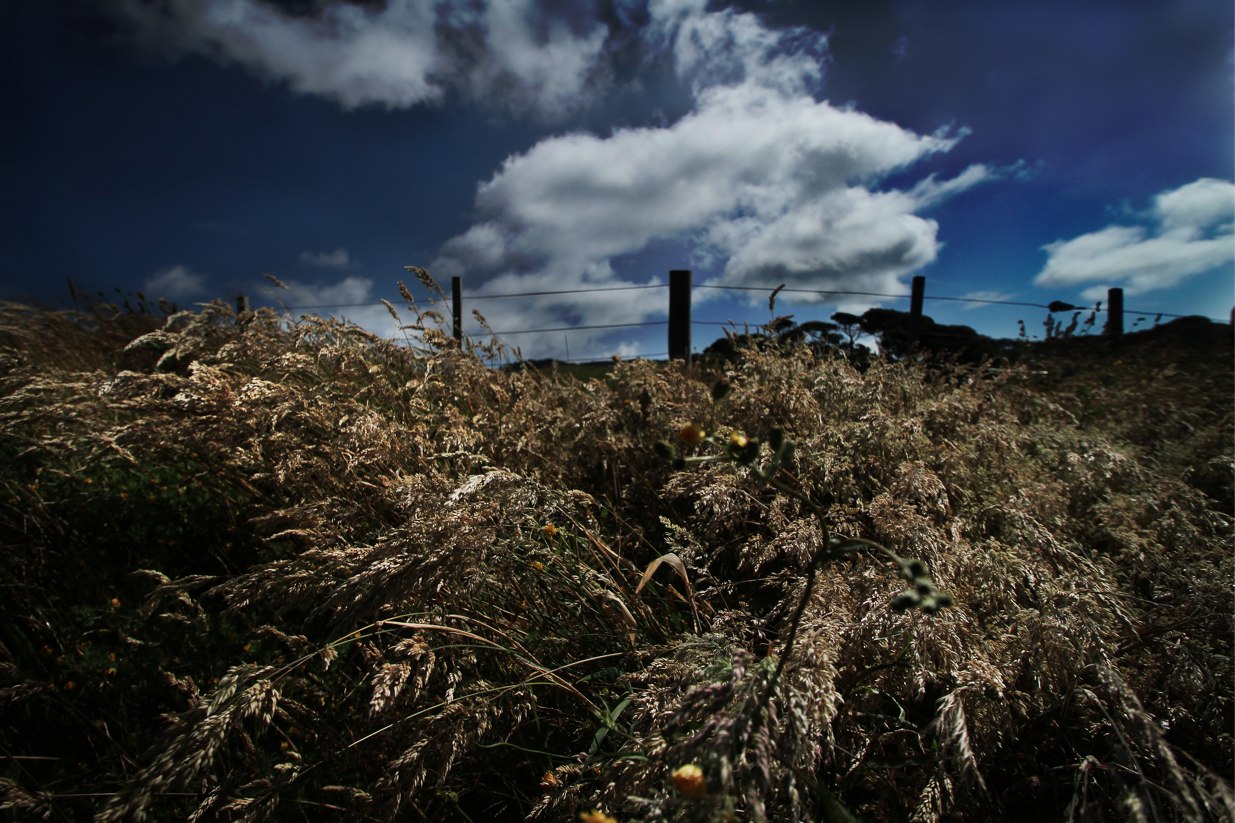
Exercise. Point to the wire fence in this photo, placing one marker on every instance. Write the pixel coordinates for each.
(1113, 306)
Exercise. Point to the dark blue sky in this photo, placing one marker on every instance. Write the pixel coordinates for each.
(1026, 152)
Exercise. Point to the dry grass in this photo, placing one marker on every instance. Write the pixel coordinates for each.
(259, 572)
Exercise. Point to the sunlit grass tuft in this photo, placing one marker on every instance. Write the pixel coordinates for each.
(260, 571)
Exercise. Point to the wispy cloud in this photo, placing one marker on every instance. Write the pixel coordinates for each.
(727, 47)
(984, 298)
(175, 283)
(337, 259)
(1187, 231)
(396, 54)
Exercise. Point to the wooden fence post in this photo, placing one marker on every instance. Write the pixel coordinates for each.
(456, 304)
(1114, 312)
(915, 308)
(679, 315)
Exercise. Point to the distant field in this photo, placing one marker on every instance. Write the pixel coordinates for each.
(258, 573)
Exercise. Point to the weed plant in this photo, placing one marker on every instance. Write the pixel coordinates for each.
(269, 571)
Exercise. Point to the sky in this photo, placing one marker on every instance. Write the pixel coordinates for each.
(1022, 152)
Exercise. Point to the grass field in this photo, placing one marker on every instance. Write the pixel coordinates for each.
(255, 572)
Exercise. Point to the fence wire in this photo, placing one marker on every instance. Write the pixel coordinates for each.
(1097, 308)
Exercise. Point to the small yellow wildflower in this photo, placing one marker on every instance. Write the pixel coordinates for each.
(538, 566)
(689, 781)
(691, 434)
(549, 530)
(549, 781)
(738, 440)
(595, 816)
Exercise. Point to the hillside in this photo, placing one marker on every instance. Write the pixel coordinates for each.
(300, 574)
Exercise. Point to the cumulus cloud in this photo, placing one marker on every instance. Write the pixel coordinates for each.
(337, 259)
(1189, 230)
(396, 54)
(763, 182)
(175, 283)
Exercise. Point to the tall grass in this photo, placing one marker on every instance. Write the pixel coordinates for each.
(267, 572)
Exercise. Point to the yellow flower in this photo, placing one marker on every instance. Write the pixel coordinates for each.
(538, 566)
(738, 440)
(549, 530)
(596, 817)
(691, 434)
(689, 781)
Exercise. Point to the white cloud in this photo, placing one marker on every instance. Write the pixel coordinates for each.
(1188, 210)
(398, 54)
(357, 56)
(343, 293)
(1191, 231)
(175, 283)
(337, 259)
(744, 161)
(850, 238)
(350, 298)
(539, 60)
(760, 180)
